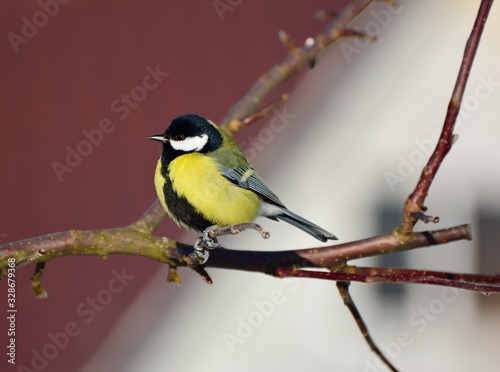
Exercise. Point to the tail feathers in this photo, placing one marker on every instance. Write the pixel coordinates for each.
(303, 224)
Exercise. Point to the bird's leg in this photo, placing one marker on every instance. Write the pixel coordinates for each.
(214, 231)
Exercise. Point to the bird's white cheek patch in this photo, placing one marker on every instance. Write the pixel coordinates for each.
(190, 143)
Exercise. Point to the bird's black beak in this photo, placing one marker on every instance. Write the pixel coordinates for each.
(158, 137)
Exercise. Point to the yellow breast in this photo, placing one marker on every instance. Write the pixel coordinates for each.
(196, 177)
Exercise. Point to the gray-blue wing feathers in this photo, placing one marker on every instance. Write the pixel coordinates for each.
(246, 177)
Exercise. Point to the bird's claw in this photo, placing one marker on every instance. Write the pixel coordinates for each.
(200, 254)
(202, 246)
(210, 241)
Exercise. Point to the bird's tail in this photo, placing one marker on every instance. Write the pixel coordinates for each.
(305, 225)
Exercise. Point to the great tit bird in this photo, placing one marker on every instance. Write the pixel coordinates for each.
(203, 179)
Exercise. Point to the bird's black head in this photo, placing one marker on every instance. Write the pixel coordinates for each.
(190, 133)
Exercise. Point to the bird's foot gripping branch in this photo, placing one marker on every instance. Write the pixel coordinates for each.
(209, 241)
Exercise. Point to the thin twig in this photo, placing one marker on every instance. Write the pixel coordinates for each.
(343, 287)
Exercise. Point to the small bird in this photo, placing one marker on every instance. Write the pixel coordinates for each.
(204, 179)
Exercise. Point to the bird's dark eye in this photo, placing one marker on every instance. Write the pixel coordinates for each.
(179, 137)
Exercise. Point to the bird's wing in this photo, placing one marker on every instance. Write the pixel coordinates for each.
(246, 177)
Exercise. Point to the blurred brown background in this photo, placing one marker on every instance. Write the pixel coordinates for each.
(64, 79)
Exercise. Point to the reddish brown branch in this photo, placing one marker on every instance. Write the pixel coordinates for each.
(479, 283)
(415, 202)
(469, 278)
